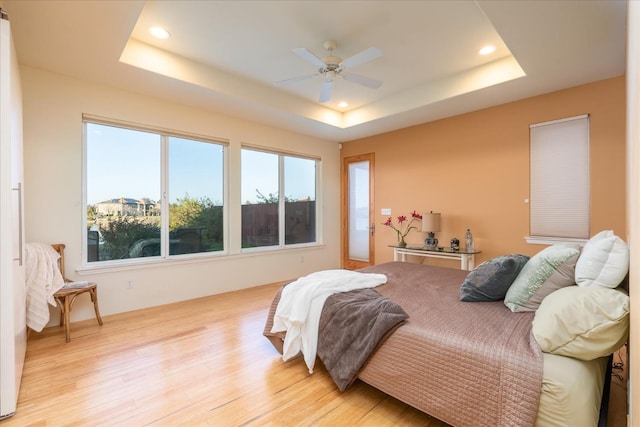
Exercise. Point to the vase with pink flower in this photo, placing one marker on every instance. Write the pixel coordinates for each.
(404, 226)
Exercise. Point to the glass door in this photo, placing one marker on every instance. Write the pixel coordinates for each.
(358, 231)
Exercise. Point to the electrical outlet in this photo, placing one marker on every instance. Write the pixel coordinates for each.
(385, 211)
(129, 284)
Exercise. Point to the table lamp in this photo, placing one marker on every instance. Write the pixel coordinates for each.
(431, 225)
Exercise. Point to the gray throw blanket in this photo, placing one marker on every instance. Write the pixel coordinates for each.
(352, 325)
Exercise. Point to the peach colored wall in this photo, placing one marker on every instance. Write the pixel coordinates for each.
(474, 169)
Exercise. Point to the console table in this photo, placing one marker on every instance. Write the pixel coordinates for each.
(467, 259)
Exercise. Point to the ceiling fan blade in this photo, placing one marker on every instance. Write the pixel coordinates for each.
(309, 56)
(362, 80)
(325, 93)
(294, 80)
(362, 57)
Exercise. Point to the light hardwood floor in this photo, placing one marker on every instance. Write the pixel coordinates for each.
(200, 362)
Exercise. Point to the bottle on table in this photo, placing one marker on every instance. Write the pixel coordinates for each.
(468, 239)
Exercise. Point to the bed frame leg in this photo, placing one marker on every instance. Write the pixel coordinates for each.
(606, 392)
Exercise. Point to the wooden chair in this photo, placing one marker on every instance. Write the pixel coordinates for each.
(66, 296)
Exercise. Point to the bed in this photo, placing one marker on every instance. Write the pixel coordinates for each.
(475, 363)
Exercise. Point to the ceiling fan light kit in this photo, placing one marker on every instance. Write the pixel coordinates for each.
(332, 66)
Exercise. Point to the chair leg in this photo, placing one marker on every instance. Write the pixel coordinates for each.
(65, 302)
(94, 299)
(61, 305)
(67, 318)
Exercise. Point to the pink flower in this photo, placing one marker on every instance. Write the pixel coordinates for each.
(403, 229)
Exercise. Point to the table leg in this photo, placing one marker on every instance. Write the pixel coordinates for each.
(467, 261)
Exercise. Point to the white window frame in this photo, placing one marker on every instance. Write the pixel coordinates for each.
(164, 134)
(281, 200)
(560, 181)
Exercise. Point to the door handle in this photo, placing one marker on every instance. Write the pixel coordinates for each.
(19, 190)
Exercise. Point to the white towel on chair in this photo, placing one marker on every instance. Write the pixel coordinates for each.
(43, 279)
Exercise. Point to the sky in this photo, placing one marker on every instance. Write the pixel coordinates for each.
(127, 163)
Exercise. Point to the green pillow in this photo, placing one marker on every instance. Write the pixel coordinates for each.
(549, 270)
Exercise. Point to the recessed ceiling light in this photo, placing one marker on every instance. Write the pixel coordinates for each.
(487, 50)
(343, 104)
(159, 33)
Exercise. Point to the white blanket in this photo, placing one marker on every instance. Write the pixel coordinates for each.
(298, 312)
(43, 279)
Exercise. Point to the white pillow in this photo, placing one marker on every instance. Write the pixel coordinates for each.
(604, 261)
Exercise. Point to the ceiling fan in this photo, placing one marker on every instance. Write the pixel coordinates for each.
(333, 66)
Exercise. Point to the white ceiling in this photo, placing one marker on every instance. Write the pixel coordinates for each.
(226, 55)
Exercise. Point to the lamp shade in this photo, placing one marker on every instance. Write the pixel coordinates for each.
(431, 222)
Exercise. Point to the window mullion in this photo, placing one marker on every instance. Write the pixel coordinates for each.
(164, 202)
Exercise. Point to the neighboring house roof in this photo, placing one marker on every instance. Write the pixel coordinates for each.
(128, 201)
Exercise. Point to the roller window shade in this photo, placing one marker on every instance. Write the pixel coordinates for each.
(559, 194)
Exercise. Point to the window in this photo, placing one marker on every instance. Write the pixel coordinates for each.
(128, 171)
(279, 199)
(559, 199)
